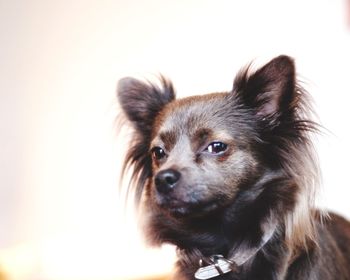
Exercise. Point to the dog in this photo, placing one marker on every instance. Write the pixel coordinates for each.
(229, 178)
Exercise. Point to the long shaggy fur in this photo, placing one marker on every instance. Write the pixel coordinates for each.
(142, 118)
(291, 147)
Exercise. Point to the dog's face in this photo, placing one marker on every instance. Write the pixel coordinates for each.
(201, 154)
(192, 156)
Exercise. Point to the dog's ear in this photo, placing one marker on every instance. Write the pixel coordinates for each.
(141, 101)
(270, 91)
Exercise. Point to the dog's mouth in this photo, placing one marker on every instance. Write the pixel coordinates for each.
(189, 201)
(178, 209)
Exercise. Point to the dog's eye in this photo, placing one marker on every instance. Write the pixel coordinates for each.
(216, 148)
(158, 153)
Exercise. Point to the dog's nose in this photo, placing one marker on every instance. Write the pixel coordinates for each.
(166, 180)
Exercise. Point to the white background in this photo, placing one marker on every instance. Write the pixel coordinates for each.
(60, 156)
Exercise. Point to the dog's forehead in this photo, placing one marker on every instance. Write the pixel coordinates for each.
(194, 115)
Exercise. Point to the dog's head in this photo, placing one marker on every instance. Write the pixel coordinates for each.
(192, 156)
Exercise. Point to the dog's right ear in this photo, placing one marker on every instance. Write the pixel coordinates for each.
(142, 101)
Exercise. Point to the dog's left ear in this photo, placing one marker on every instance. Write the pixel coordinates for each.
(270, 91)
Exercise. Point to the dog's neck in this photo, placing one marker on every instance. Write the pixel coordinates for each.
(218, 264)
(268, 262)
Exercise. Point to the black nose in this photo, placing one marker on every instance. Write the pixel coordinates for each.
(166, 180)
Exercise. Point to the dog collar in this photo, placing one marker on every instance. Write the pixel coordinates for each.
(218, 265)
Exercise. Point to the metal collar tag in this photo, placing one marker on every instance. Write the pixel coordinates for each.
(218, 266)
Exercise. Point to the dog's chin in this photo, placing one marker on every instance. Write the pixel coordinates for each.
(180, 209)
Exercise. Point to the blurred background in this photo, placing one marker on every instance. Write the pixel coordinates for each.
(60, 152)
